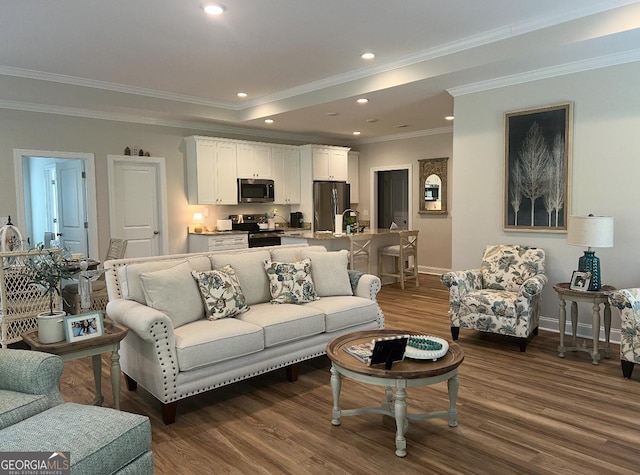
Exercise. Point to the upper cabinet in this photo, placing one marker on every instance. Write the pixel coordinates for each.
(211, 171)
(330, 163)
(254, 161)
(354, 176)
(285, 165)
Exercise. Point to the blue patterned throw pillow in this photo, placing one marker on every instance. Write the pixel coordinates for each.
(290, 282)
(221, 293)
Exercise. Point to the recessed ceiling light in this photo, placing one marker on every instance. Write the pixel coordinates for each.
(356, 132)
(362, 100)
(401, 126)
(268, 121)
(371, 121)
(242, 94)
(368, 56)
(332, 114)
(449, 117)
(213, 8)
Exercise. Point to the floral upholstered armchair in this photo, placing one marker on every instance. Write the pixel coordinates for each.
(628, 302)
(501, 296)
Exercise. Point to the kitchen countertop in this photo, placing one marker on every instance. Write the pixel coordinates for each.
(218, 233)
(305, 234)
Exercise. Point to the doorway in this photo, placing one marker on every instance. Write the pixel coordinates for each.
(391, 197)
(138, 204)
(56, 199)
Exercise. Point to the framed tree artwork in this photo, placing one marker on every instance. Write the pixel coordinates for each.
(537, 169)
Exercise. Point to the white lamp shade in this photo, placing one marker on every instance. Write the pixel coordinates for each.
(198, 218)
(590, 231)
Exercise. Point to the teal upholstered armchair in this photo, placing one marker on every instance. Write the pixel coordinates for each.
(28, 384)
(501, 296)
(628, 302)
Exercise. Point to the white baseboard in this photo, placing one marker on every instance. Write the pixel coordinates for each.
(584, 330)
(432, 270)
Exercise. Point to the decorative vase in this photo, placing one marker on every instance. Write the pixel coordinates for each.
(51, 327)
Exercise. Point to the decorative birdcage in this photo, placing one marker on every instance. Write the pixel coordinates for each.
(10, 238)
(20, 300)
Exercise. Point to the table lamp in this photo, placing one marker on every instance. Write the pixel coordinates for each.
(590, 231)
(198, 221)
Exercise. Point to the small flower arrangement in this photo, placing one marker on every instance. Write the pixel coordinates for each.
(46, 268)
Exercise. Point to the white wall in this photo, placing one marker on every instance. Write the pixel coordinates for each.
(604, 179)
(434, 247)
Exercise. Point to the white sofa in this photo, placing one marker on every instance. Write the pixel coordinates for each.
(174, 351)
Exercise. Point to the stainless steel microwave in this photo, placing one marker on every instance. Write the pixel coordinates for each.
(251, 190)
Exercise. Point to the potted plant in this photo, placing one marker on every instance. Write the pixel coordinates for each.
(45, 269)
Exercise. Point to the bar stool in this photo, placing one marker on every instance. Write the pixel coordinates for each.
(408, 246)
(359, 245)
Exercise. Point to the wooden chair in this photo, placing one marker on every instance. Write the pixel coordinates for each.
(71, 296)
(407, 247)
(359, 246)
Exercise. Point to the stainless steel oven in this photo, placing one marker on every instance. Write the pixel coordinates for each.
(257, 237)
(255, 191)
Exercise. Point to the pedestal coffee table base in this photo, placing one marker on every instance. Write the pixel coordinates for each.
(403, 375)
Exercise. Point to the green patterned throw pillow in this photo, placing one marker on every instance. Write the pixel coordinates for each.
(290, 282)
(220, 292)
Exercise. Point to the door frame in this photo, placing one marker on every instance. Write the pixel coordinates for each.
(19, 155)
(163, 216)
(373, 192)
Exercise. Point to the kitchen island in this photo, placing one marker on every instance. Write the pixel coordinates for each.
(379, 238)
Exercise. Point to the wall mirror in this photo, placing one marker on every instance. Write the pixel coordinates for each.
(433, 185)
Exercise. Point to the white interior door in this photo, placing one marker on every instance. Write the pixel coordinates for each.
(137, 199)
(71, 205)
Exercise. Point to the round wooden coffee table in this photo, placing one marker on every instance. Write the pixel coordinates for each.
(404, 374)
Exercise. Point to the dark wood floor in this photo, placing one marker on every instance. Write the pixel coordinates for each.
(519, 413)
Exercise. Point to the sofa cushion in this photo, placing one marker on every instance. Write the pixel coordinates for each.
(293, 254)
(100, 439)
(16, 407)
(285, 323)
(344, 312)
(329, 272)
(206, 342)
(290, 282)
(220, 292)
(174, 292)
(506, 267)
(129, 275)
(248, 266)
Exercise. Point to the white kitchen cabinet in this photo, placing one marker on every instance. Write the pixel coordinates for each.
(254, 161)
(211, 172)
(354, 176)
(285, 163)
(330, 163)
(218, 242)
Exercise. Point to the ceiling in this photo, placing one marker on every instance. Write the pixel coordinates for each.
(166, 62)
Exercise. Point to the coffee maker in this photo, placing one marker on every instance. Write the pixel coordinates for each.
(295, 219)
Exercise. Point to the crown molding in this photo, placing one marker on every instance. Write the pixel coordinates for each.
(404, 136)
(546, 73)
(180, 124)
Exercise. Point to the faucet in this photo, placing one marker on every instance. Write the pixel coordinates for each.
(354, 229)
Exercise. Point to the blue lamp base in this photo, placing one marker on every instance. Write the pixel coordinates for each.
(590, 263)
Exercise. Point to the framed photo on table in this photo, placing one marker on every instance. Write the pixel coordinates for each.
(83, 326)
(580, 280)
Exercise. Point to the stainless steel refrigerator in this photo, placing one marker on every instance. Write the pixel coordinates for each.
(329, 198)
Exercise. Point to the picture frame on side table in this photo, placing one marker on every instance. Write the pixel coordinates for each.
(538, 169)
(580, 281)
(83, 326)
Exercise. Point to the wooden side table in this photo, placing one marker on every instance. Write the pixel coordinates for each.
(595, 297)
(94, 347)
